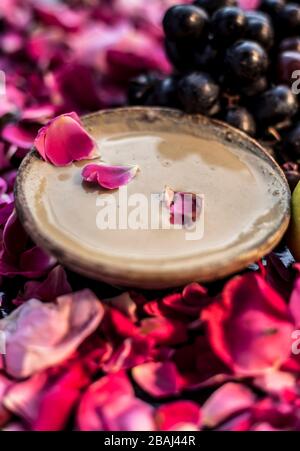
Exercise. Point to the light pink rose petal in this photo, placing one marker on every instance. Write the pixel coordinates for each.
(40, 335)
(109, 404)
(110, 177)
(158, 379)
(64, 140)
(38, 113)
(276, 382)
(231, 398)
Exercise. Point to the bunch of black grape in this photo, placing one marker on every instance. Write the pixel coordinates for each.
(235, 65)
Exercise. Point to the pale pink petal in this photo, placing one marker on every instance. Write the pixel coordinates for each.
(110, 405)
(276, 382)
(229, 399)
(158, 379)
(38, 112)
(39, 335)
(110, 177)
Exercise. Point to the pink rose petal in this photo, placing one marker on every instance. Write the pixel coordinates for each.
(39, 335)
(185, 208)
(178, 416)
(109, 405)
(158, 379)
(64, 140)
(229, 399)
(19, 135)
(46, 399)
(261, 321)
(56, 284)
(110, 177)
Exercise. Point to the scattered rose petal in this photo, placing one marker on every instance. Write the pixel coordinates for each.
(19, 135)
(229, 399)
(110, 177)
(262, 322)
(158, 379)
(46, 399)
(109, 405)
(178, 416)
(17, 257)
(39, 335)
(185, 208)
(64, 140)
(55, 285)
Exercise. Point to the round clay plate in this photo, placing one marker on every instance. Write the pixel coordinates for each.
(245, 208)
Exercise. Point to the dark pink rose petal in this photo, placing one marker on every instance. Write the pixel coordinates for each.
(55, 285)
(262, 322)
(227, 400)
(294, 304)
(40, 335)
(19, 135)
(164, 331)
(125, 304)
(70, 78)
(116, 325)
(194, 293)
(60, 15)
(64, 140)
(178, 416)
(158, 379)
(110, 177)
(198, 366)
(17, 257)
(278, 414)
(279, 272)
(46, 399)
